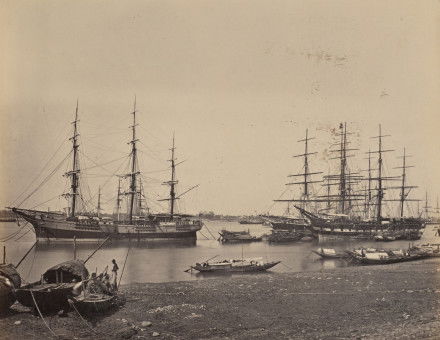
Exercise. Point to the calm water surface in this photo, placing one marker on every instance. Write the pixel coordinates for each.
(166, 261)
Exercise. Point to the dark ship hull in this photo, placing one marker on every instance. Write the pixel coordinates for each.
(299, 225)
(406, 229)
(55, 226)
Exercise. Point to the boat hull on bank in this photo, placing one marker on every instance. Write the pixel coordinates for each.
(231, 268)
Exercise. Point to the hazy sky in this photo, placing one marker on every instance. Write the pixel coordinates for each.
(238, 82)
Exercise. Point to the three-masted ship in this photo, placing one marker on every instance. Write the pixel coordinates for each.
(290, 221)
(366, 224)
(133, 224)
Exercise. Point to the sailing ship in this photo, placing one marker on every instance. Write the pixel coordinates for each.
(346, 223)
(290, 222)
(82, 225)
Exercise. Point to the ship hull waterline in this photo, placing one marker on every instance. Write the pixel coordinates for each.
(62, 230)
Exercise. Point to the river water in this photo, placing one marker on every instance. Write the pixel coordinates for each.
(167, 261)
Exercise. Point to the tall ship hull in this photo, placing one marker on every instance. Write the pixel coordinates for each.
(52, 226)
(326, 229)
(291, 225)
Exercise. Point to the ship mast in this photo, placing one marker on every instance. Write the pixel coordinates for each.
(369, 185)
(134, 173)
(98, 207)
(380, 178)
(140, 197)
(426, 207)
(172, 183)
(305, 196)
(345, 178)
(403, 193)
(343, 151)
(74, 173)
(118, 198)
(328, 193)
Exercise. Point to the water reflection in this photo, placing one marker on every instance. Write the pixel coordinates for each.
(161, 261)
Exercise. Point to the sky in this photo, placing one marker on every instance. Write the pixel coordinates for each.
(238, 82)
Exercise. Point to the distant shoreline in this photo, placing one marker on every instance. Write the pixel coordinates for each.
(7, 220)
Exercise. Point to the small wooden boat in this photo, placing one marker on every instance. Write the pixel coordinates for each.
(53, 290)
(238, 237)
(284, 236)
(386, 256)
(433, 250)
(234, 266)
(9, 280)
(47, 296)
(251, 221)
(384, 238)
(329, 253)
(96, 303)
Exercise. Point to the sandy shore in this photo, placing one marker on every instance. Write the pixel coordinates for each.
(382, 302)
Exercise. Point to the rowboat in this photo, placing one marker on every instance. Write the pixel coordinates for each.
(234, 266)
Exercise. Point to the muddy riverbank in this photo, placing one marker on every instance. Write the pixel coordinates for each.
(390, 302)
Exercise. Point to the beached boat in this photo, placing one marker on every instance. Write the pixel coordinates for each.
(9, 280)
(385, 256)
(80, 222)
(54, 289)
(235, 266)
(238, 236)
(284, 236)
(96, 303)
(329, 253)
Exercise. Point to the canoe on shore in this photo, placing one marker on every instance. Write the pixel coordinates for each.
(385, 257)
(234, 266)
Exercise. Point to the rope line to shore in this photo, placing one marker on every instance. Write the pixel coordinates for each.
(213, 237)
(82, 318)
(41, 315)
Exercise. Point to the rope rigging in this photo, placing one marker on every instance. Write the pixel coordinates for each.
(45, 180)
(40, 173)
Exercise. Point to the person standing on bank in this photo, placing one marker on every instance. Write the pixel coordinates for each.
(115, 274)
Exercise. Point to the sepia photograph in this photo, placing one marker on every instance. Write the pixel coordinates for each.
(219, 169)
